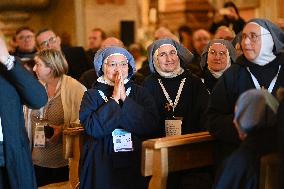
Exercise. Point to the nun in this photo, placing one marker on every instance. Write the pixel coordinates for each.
(255, 120)
(260, 66)
(117, 116)
(216, 58)
(179, 95)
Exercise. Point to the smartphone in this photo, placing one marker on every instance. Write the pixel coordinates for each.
(48, 131)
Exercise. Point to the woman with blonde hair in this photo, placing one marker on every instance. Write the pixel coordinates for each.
(64, 99)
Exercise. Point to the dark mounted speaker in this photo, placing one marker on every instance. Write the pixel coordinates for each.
(127, 30)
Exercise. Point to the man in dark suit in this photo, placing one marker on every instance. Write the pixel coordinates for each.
(95, 40)
(75, 56)
(17, 87)
(25, 40)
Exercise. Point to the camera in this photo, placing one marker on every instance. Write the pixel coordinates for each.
(48, 131)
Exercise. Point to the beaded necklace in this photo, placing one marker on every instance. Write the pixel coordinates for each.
(170, 103)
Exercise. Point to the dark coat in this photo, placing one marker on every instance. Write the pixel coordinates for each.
(77, 61)
(24, 55)
(241, 170)
(209, 79)
(88, 78)
(231, 84)
(101, 167)
(237, 25)
(194, 65)
(18, 87)
(192, 103)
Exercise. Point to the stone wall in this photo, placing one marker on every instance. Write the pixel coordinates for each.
(108, 16)
(58, 15)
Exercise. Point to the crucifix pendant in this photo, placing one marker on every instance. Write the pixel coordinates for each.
(168, 107)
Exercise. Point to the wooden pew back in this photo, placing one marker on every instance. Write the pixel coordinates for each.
(271, 172)
(73, 140)
(163, 155)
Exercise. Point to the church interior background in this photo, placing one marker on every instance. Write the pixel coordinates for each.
(74, 19)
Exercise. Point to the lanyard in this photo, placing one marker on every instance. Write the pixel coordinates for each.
(106, 99)
(170, 102)
(257, 85)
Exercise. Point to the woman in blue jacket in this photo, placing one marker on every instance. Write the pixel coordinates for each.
(17, 87)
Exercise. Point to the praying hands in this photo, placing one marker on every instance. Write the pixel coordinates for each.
(119, 89)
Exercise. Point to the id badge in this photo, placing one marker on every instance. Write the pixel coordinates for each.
(173, 127)
(122, 141)
(39, 138)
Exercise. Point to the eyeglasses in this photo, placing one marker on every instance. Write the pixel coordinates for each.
(172, 53)
(122, 64)
(253, 37)
(46, 43)
(221, 54)
(27, 37)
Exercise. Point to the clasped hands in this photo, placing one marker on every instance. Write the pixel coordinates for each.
(119, 89)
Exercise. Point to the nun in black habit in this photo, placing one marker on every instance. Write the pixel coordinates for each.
(178, 93)
(216, 58)
(260, 66)
(117, 116)
(180, 96)
(256, 122)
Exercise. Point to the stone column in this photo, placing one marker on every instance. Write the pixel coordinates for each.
(80, 23)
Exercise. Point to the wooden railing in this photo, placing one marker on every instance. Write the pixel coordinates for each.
(271, 171)
(73, 141)
(163, 155)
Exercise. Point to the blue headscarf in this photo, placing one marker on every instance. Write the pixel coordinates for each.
(255, 109)
(102, 54)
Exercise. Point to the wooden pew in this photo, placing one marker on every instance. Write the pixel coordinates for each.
(73, 140)
(163, 155)
(271, 171)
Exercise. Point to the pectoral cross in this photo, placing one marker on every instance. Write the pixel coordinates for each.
(168, 107)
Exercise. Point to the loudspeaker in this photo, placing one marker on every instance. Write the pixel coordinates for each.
(127, 32)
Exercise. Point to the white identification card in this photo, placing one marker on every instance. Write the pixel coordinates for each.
(173, 127)
(39, 138)
(1, 133)
(122, 141)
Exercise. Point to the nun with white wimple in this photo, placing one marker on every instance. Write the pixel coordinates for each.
(260, 66)
(216, 58)
(117, 116)
(178, 93)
